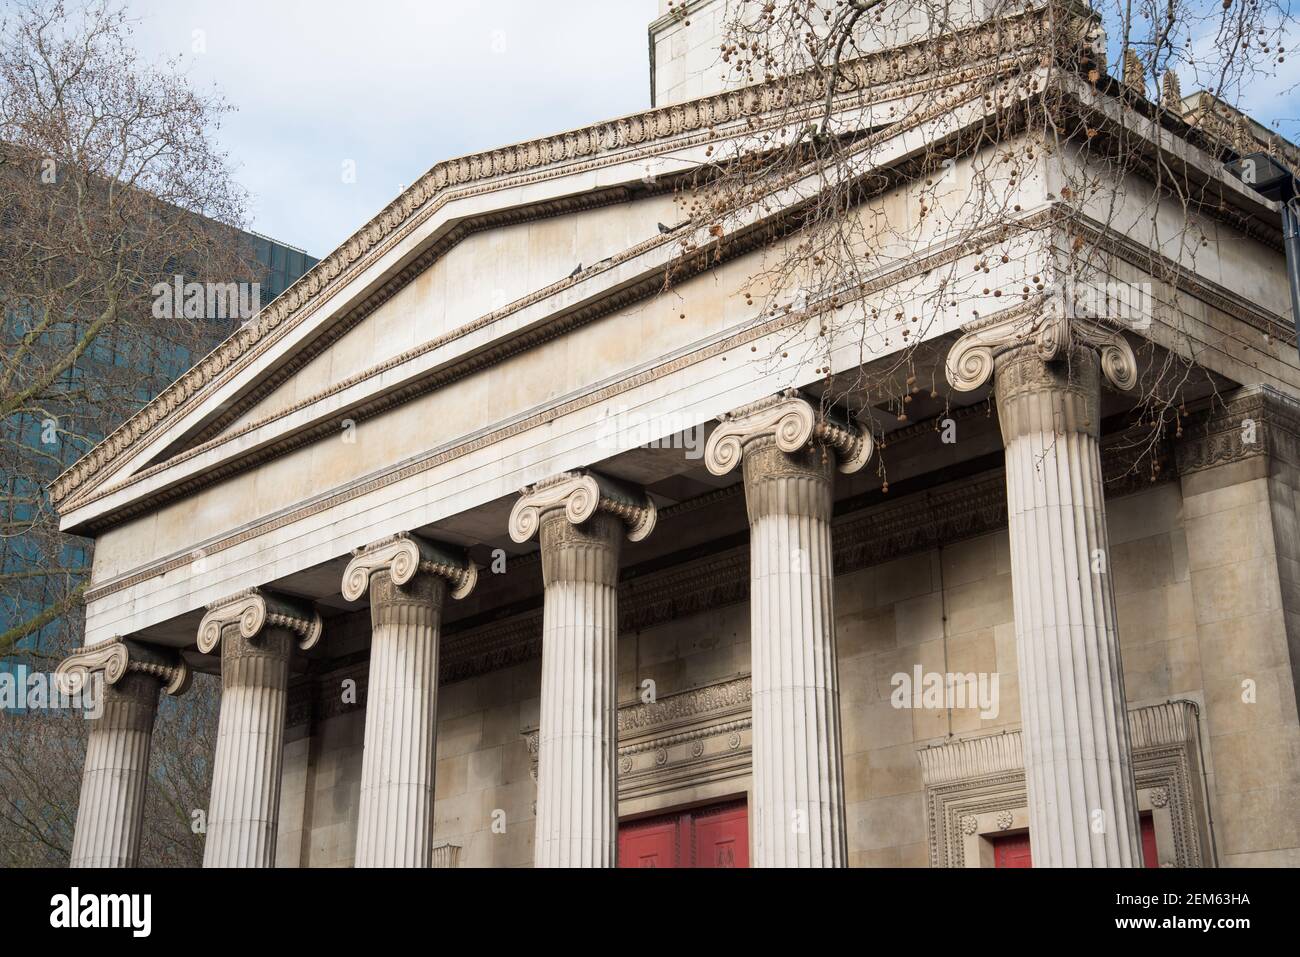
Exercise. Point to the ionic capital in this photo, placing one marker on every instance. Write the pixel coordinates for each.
(402, 556)
(118, 656)
(254, 610)
(582, 494)
(793, 423)
(1052, 336)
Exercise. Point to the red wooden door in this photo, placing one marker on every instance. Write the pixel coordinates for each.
(650, 843)
(1149, 856)
(721, 837)
(1014, 851)
(716, 836)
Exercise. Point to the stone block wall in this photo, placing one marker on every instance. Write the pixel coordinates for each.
(1207, 582)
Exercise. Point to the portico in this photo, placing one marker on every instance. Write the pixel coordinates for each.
(391, 482)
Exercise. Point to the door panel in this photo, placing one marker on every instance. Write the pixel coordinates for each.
(721, 838)
(716, 836)
(648, 844)
(1012, 851)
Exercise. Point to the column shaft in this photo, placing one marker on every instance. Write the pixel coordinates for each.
(798, 779)
(245, 806)
(577, 798)
(1078, 762)
(110, 814)
(395, 826)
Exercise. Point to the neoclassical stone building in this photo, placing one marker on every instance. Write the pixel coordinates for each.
(682, 642)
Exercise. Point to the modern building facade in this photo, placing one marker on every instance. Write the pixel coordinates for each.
(600, 576)
(152, 368)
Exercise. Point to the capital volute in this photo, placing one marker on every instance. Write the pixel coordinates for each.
(1051, 335)
(793, 423)
(402, 556)
(581, 495)
(254, 610)
(116, 657)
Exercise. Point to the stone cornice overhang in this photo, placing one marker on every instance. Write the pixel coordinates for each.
(1155, 134)
(205, 471)
(376, 252)
(634, 274)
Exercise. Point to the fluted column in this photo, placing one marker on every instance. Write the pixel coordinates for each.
(789, 455)
(256, 631)
(1078, 759)
(129, 676)
(582, 520)
(408, 580)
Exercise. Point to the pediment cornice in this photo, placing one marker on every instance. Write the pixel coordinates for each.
(638, 136)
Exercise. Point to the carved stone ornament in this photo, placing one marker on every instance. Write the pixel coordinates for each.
(581, 494)
(970, 360)
(254, 610)
(402, 556)
(116, 657)
(793, 423)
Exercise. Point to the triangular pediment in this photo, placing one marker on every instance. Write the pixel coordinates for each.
(481, 256)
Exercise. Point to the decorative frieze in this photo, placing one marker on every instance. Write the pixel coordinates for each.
(1252, 421)
(679, 743)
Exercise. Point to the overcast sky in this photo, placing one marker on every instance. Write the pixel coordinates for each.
(393, 85)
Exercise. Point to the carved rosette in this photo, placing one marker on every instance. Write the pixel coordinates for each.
(793, 424)
(1051, 336)
(582, 495)
(254, 610)
(117, 657)
(402, 556)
